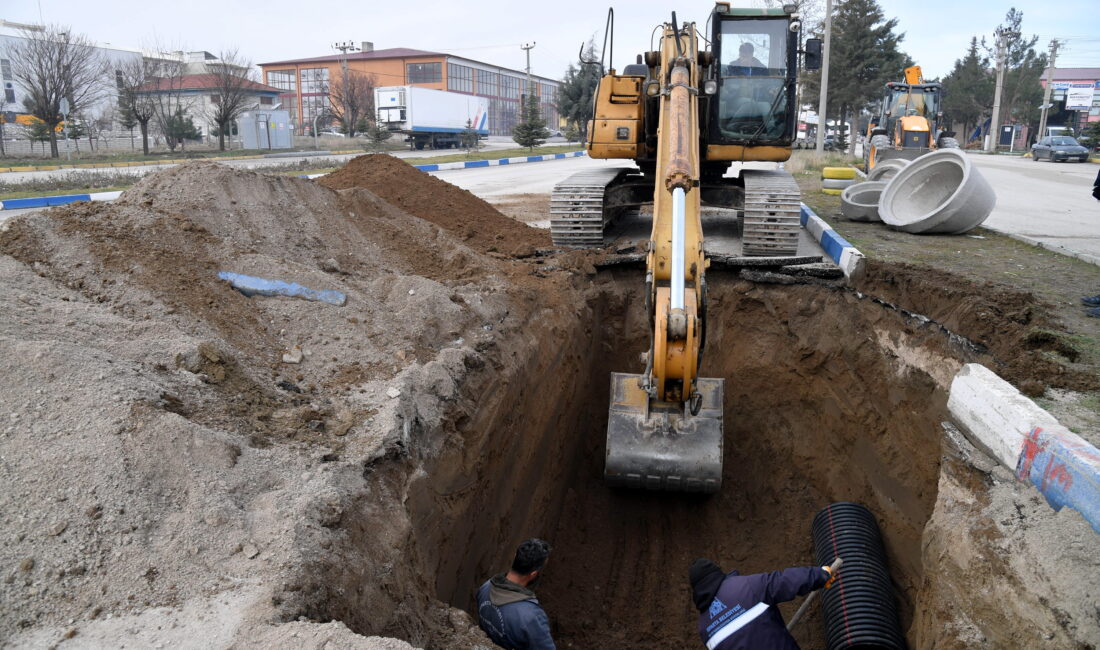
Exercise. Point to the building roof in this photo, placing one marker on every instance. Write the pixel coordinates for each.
(1073, 74)
(395, 53)
(391, 53)
(200, 82)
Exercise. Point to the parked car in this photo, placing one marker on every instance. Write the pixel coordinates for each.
(1059, 148)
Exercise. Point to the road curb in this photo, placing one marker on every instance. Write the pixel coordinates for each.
(1027, 440)
(1054, 248)
(840, 250)
(50, 201)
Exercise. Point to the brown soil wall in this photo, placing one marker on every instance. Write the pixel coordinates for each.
(817, 411)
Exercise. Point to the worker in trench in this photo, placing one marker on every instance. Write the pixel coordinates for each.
(738, 612)
(508, 610)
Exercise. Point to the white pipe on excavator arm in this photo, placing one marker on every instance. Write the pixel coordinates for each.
(678, 219)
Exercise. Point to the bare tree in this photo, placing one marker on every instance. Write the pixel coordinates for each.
(136, 81)
(233, 86)
(165, 91)
(54, 64)
(351, 94)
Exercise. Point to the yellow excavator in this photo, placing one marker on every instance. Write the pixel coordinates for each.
(909, 121)
(683, 114)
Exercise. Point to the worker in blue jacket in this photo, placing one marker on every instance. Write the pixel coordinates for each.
(737, 611)
(508, 610)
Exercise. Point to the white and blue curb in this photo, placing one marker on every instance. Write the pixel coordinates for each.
(1027, 440)
(839, 250)
(51, 201)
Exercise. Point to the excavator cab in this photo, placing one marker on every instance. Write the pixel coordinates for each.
(754, 67)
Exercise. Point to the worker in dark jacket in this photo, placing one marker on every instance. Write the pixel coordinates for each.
(737, 611)
(507, 609)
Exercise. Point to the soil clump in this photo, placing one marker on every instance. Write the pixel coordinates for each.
(478, 224)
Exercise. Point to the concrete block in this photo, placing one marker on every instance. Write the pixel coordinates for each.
(1027, 440)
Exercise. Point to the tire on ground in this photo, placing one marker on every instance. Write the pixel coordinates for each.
(838, 173)
(837, 183)
(949, 143)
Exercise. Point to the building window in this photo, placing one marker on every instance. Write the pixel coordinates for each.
(315, 80)
(509, 86)
(487, 83)
(5, 69)
(9, 93)
(460, 78)
(282, 79)
(215, 99)
(424, 73)
(266, 101)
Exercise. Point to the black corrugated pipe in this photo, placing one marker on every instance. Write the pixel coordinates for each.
(859, 608)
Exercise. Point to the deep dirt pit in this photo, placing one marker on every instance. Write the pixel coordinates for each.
(172, 478)
(816, 411)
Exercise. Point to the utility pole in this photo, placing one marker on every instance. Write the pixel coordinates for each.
(527, 48)
(995, 122)
(345, 47)
(824, 78)
(1049, 89)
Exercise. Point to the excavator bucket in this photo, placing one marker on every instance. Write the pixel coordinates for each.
(659, 446)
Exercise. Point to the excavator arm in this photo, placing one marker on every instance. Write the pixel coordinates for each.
(665, 425)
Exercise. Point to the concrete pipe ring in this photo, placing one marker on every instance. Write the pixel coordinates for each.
(836, 183)
(939, 193)
(859, 202)
(887, 169)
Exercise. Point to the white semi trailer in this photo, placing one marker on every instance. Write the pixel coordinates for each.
(433, 119)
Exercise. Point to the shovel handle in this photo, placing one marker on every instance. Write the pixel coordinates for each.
(809, 599)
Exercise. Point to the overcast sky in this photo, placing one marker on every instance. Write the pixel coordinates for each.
(937, 31)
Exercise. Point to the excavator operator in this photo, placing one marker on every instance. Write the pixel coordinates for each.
(738, 612)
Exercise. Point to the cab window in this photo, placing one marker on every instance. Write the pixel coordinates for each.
(753, 71)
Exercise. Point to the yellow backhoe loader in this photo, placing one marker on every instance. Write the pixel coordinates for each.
(683, 114)
(909, 121)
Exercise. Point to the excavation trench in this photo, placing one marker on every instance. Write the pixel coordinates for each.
(816, 411)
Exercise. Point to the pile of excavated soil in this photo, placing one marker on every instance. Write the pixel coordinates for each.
(181, 461)
(160, 449)
(476, 222)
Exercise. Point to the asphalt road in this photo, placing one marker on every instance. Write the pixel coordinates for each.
(1048, 202)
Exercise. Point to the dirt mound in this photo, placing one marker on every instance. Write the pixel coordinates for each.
(476, 222)
(200, 449)
(1024, 343)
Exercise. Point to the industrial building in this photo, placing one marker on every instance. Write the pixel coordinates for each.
(305, 82)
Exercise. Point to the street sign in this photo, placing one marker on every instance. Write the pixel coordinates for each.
(64, 107)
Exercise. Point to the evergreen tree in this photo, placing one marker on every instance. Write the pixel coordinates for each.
(576, 92)
(865, 54)
(1021, 93)
(178, 128)
(469, 138)
(968, 91)
(126, 119)
(377, 134)
(39, 132)
(532, 131)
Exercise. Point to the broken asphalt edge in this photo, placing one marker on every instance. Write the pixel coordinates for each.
(1027, 440)
(51, 201)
